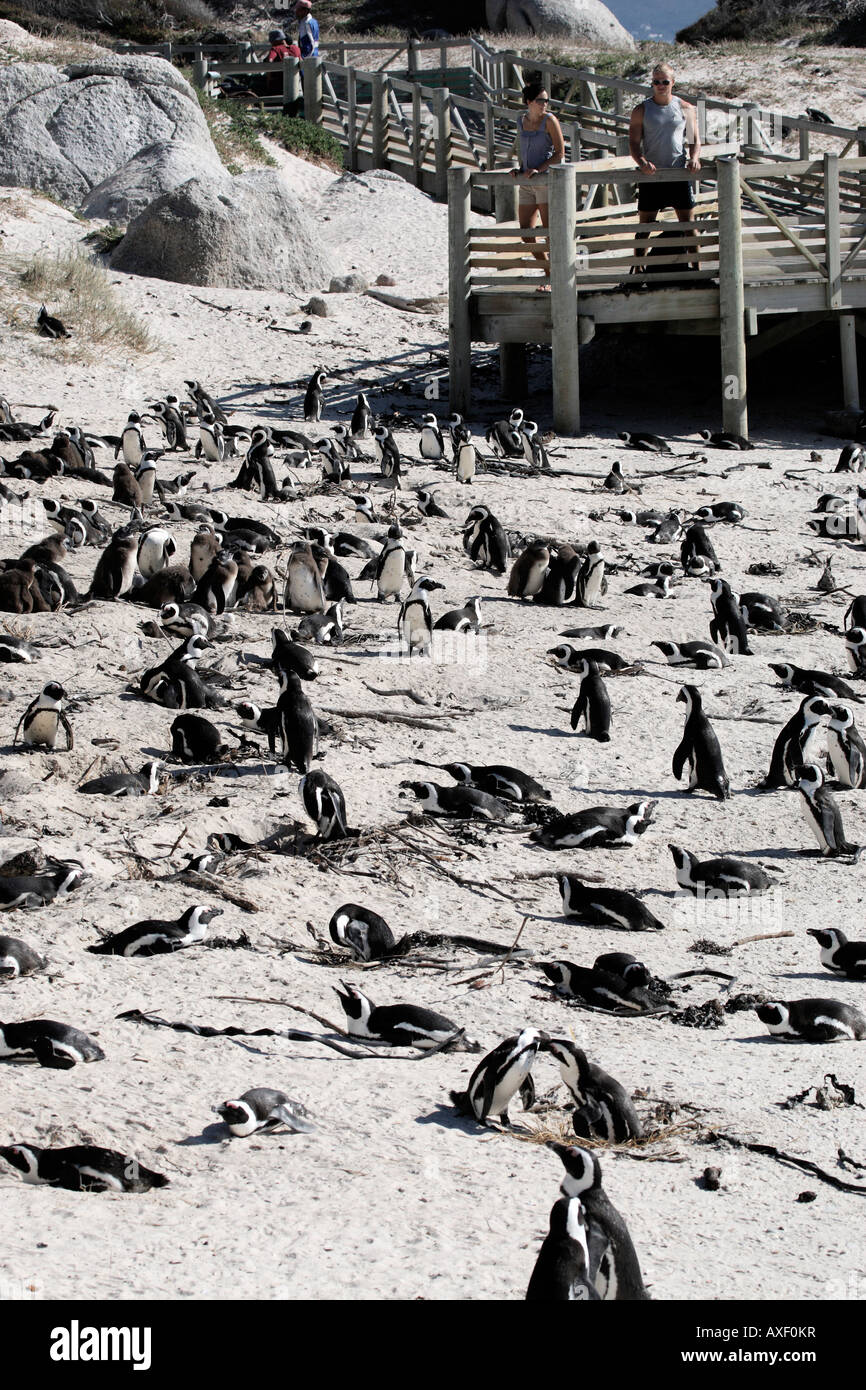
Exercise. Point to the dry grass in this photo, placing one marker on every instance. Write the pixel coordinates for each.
(77, 289)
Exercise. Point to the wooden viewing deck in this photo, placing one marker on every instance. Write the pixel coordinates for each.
(774, 248)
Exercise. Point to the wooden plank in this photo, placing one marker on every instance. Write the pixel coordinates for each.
(563, 286)
(731, 301)
(459, 329)
(831, 231)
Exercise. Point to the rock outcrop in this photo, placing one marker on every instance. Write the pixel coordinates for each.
(576, 19)
(249, 231)
(67, 130)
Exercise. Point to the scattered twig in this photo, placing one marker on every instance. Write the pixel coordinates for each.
(770, 1151)
(198, 878)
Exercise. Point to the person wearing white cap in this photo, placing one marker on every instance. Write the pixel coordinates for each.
(308, 30)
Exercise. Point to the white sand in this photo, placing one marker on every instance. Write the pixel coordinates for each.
(393, 1197)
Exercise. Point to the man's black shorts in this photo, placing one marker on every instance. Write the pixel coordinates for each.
(652, 197)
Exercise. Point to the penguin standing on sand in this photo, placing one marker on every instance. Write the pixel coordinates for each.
(325, 804)
(499, 1077)
(362, 417)
(528, 571)
(592, 703)
(485, 541)
(132, 442)
(431, 445)
(314, 399)
(304, 591)
(263, 1110)
(700, 749)
(465, 454)
(155, 550)
(697, 554)
(387, 455)
(795, 743)
(604, 1109)
(727, 626)
(297, 724)
(846, 747)
(821, 810)
(415, 623)
(44, 718)
(855, 649)
(391, 565)
(561, 1273)
(614, 1268)
(591, 584)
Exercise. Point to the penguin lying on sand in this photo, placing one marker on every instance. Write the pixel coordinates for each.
(82, 1168)
(263, 1109)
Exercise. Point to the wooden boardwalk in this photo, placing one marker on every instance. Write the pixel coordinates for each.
(774, 249)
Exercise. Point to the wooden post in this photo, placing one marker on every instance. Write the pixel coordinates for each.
(563, 300)
(199, 72)
(352, 120)
(701, 104)
(752, 142)
(417, 138)
(861, 154)
(489, 133)
(442, 114)
(291, 84)
(341, 55)
(312, 69)
(804, 143)
(731, 300)
(848, 350)
(512, 356)
(412, 59)
(379, 121)
(459, 330)
(832, 234)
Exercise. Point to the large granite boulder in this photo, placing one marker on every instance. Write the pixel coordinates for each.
(65, 131)
(576, 19)
(155, 170)
(249, 231)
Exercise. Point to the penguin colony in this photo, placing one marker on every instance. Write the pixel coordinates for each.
(201, 540)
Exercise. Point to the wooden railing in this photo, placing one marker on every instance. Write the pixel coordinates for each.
(746, 251)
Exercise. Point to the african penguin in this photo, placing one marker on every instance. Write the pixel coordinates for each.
(263, 1109)
(700, 749)
(614, 1268)
(597, 827)
(362, 931)
(603, 1107)
(401, 1025)
(325, 804)
(838, 954)
(82, 1168)
(823, 816)
(154, 937)
(813, 1020)
(723, 878)
(499, 1077)
(55, 1045)
(609, 907)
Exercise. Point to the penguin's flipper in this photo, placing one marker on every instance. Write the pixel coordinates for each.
(526, 1091)
(293, 1117)
(47, 1056)
(679, 759)
(579, 710)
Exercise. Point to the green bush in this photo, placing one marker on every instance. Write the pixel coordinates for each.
(301, 137)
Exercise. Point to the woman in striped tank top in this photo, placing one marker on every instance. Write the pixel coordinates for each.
(541, 144)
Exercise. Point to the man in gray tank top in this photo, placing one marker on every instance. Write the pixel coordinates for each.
(663, 134)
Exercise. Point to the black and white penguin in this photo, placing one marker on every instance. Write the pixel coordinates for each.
(259, 721)
(82, 1168)
(196, 740)
(559, 584)
(852, 459)
(142, 783)
(855, 649)
(415, 622)
(591, 585)
(598, 827)
(325, 804)
(704, 656)
(727, 626)
(304, 591)
(507, 783)
(17, 959)
(288, 655)
(401, 1025)
(730, 512)
(263, 1110)
(838, 954)
(823, 816)
(614, 1268)
(725, 440)
(391, 566)
(427, 504)
(504, 437)
(43, 719)
(700, 748)
(763, 612)
(660, 588)
(15, 649)
(608, 907)
(592, 704)
(622, 989)
(154, 937)
(53, 883)
(211, 443)
(132, 442)
(615, 482)
(606, 632)
(533, 448)
(335, 466)
(465, 455)
(53, 1044)
(431, 445)
(465, 619)
(812, 1020)
(186, 620)
(462, 802)
(697, 554)
(528, 571)
(314, 399)
(115, 568)
(387, 455)
(724, 878)
(499, 1077)
(561, 1272)
(326, 629)
(205, 403)
(362, 417)
(485, 540)
(668, 530)
(362, 931)
(813, 682)
(155, 550)
(795, 743)
(641, 439)
(297, 725)
(603, 1107)
(573, 658)
(173, 421)
(145, 475)
(845, 747)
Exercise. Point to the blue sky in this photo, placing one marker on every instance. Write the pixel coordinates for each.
(661, 19)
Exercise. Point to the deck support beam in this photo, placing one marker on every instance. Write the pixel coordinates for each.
(563, 297)
(513, 381)
(735, 419)
(848, 351)
(459, 327)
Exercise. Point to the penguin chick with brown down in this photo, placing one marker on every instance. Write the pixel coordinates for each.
(700, 748)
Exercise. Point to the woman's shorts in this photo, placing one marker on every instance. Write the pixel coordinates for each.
(652, 197)
(531, 194)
